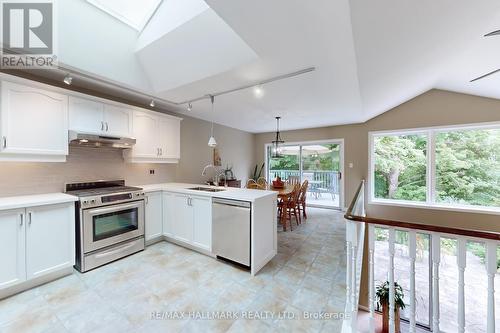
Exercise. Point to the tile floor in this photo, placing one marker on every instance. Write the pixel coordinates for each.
(308, 274)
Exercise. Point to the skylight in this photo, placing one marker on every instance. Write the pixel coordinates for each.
(131, 12)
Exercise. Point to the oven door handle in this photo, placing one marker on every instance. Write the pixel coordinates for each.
(113, 252)
(115, 208)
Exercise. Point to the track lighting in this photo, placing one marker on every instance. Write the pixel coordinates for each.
(68, 79)
(152, 103)
(190, 107)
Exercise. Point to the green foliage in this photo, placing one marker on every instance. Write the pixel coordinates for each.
(256, 175)
(467, 167)
(400, 167)
(310, 162)
(382, 295)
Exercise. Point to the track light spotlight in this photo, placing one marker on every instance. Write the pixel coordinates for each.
(68, 79)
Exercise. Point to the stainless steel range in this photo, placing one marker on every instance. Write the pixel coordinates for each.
(109, 222)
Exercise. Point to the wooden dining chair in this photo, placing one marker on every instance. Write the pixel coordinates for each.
(302, 198)
(288, 206)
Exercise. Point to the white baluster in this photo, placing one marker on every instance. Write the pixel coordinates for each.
(436, 258)
(392, 322)
(371, 277)
(491, 269)
(461, 263)
(413, 255)
(348, 267)
(354, 280)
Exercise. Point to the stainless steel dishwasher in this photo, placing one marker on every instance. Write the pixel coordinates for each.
(231, 221)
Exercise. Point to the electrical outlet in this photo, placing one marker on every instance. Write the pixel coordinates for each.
(152, 171)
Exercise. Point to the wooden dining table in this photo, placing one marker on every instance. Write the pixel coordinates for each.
(283, 192)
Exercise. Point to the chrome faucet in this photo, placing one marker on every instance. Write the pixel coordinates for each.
(217, 174)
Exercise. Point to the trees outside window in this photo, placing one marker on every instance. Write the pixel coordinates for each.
(464, 165)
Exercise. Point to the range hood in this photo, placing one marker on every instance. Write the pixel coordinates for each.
(77, 139)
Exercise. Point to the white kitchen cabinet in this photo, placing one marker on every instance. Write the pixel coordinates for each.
(183, 218)
(145, 132)
(93, 117)
(154, 215)
(50, 239)
(12, 247)
(35, 242)
(158, 138)
(118, 120)
(33, 121)
(202, 222)
(188, 219)
(86, 116)
(168, 214)
(170, 134)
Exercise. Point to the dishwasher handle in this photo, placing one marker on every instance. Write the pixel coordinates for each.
(229, 202)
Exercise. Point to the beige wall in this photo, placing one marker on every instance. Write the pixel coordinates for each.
(235, 148)
(434, 108)
(84, 164)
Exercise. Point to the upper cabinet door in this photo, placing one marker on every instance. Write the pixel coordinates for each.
(12, 247)
(146, 134)
(117, 120)
(170, 137)
(50, 239)
(33, 121)
(86, 116)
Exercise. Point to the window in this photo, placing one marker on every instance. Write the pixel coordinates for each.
(438, 167)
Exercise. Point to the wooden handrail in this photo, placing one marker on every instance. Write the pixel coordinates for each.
(425, 227)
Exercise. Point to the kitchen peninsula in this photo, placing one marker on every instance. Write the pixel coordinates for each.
(212, 220)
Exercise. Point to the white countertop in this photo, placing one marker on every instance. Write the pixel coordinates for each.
(242, 194)
(35, 200)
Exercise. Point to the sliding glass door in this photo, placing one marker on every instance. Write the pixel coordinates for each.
(319, 164)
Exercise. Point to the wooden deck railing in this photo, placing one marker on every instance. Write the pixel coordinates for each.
(356, 214)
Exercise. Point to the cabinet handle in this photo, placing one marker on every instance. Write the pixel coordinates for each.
(22, 220)
(4, 139)
(147, 200)
(29, 218)
(102, 125)
(161, 151)
(107, 127)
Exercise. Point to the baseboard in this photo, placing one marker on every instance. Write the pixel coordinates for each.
(188, 246)
(364, 308)
(26, 285)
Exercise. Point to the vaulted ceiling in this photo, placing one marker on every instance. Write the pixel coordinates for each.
(369, 55)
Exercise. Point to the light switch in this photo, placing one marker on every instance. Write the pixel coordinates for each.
(351, 165)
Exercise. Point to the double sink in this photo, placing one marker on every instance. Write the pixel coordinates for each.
(205, 189)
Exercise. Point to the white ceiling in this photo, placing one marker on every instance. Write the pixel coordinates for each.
(369, 55)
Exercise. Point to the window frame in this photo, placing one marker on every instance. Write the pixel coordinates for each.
(430, 203)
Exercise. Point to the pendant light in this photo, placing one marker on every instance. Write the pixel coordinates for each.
(211, 142)
(278, 142)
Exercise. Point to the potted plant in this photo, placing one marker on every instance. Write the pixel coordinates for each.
(382, 295)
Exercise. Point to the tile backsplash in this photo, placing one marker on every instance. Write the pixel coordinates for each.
(83, 164)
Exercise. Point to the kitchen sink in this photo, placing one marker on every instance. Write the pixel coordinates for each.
(206, 189)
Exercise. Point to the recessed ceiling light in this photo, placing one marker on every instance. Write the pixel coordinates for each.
(68, 79)
(258, 91)
(152, 103)
(190, 107)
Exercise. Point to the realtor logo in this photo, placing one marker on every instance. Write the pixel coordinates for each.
(27, 34)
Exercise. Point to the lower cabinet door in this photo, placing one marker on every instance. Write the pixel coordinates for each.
(12, 247)
(50, 239)
(202, 233)
(183, 218)
(154, 215)
(168, 214)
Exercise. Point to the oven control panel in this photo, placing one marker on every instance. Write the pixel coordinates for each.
(105, 200)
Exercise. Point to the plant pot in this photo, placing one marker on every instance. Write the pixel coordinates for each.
(385, 319)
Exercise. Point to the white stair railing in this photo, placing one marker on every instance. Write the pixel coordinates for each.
(355, 240)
